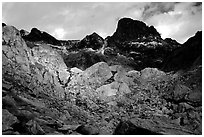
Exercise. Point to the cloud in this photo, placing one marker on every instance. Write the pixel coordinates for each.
(76, 20)
(59, 33)
(179, 23)
(155, 8)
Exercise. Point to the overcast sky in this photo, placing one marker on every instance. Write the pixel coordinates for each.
(75, 20)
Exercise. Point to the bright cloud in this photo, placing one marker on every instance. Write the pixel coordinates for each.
(59, 33)
(76, 20)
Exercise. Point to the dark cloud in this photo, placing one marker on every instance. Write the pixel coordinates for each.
(155, 8)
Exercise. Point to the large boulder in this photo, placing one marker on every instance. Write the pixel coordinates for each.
(8, 120)
(96, 74)
(112, 89)
(128, 128)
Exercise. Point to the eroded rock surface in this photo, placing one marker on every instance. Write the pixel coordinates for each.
(41, 94)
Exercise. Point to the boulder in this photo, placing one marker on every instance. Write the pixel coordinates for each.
(128, 128)
(63, 76)
(107, 90)
(96, 74)
(180, 92)
(87, 130)
(194, 96)
(76, 70)
(8, 120)
(113, 89)
(151, 74)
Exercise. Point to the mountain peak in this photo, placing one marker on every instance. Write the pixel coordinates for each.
(129, 29)
(37, 35)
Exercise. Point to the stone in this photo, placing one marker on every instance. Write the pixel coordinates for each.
(128, 128)
(112, 89)
(195, 97)
(8, 120)
(115, 68)
(64, 76)
(96, 74)
(68, 127)
(87, 130)
(180, 92)
(76, 70)
(107, 90)
(151, 73)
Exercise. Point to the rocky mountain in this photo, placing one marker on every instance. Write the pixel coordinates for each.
(94, 87)
(141, 43)
(36, 35)
(130, 30)
(190, 54)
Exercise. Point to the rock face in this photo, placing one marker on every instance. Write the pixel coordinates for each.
(37, 35)
(27, 75)
(187, 55)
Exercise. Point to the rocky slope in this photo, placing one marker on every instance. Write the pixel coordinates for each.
(190, 54)
(43, 92)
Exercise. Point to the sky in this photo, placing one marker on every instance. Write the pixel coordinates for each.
(76, 20)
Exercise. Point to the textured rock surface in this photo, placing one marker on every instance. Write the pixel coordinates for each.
(41, 95)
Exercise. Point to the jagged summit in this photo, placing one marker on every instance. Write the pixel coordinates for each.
(37, 35)
(93, 41)
(129, 29)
